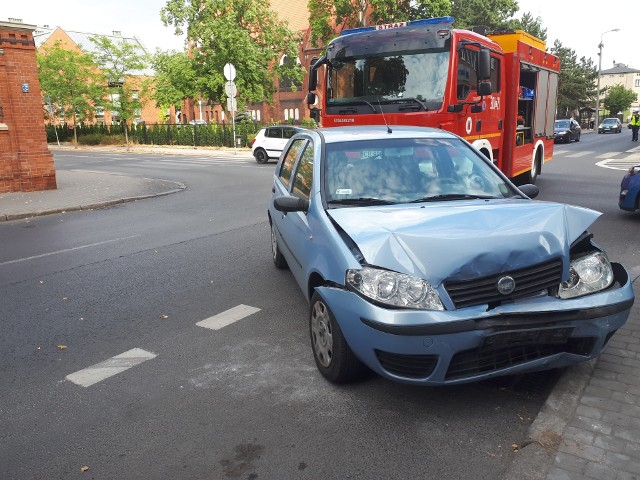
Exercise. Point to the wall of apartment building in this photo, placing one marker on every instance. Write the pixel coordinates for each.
(629, 79)
(26, 164)
(150, 113)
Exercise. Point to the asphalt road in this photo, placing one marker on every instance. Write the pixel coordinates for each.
(244, 400)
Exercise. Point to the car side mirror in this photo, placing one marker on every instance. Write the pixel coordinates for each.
(530, 190)
(289, 203)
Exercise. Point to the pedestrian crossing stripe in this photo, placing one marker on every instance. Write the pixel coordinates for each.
(622, 164)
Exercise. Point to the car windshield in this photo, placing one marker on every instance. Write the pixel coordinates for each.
(390, 171)
(609, 121)
(562, 124)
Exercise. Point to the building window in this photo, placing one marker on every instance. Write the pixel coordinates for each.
(286, 83)
(637, 82)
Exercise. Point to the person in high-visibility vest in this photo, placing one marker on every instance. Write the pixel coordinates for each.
(635, 125)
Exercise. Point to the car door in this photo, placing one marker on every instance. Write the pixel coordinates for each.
(293, 230)
(274, 143)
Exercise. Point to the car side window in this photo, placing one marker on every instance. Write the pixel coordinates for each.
(274, 133)
(289, 160)
(304, 174)
(288, 132)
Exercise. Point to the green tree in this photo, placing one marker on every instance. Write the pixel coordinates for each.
(576, 83)
(245, 33)
(533, 26)
(619, 99)
(328, 16)
(490, 13)
(175, 79)
(124, 65)
(71, 82)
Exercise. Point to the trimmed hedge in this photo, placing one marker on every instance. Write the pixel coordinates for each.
(212, 135)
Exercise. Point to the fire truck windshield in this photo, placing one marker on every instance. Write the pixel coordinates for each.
(413, 81)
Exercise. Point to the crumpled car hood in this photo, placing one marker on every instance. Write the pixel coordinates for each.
(463, 240)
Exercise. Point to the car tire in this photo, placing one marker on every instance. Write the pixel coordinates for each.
(334, 358)
(261, 155)
(278, 259)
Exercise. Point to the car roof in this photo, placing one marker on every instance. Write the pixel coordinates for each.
(611, 118)
(376, 132)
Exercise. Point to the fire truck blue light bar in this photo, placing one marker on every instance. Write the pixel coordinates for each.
(387, 26)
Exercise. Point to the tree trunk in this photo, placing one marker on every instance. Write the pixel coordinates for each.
(75, 136)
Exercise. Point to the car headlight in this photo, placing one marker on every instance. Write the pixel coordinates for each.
(393, 288)
(588, 274)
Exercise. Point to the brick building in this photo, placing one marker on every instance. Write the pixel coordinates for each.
(46, 37)
(289, 103)
(26, 164)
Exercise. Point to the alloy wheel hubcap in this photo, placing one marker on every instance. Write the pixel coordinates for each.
(322, 334)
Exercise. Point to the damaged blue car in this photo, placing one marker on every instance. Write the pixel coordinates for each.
(422, 262)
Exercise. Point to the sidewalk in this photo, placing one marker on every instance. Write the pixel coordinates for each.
(82, 190)
(589, 427)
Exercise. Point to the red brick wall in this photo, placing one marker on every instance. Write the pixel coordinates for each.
(26, 164)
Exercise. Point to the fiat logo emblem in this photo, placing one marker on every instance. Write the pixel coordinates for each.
(506, 285)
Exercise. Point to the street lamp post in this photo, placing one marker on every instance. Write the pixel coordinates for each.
(600, 45)
(200, 105)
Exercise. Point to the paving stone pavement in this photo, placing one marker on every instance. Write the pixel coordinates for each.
(589, 427)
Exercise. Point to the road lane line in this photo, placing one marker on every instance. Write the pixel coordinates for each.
(228, 317)
(118, 364)
(579, 154)
(608, 155)
(18, 260)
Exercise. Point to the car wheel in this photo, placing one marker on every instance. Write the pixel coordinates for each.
(278, 259)
(333, 356)
(261, 156)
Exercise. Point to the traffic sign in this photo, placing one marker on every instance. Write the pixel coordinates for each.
(230, 89)
(229, 72)
(232, 105)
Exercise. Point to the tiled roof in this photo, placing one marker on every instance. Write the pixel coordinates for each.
(83, 40)
(295, 12)
(619, 69)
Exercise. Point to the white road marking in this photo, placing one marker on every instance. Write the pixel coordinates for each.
(227, 318)
(67, 250)
(109, 368)
(608, 154)
(618, 164)
(578, 154)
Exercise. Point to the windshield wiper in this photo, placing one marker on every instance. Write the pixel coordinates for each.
(409, 99)
(451, 196)
(356, 102)
(360, 201)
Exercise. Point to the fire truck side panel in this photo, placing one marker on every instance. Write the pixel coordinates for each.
(530, 107)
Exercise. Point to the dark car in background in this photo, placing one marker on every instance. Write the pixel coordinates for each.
(630, 190)
(610, 125)
(566, 130)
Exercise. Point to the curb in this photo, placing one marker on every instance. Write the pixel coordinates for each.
(535, 458)
(91, 206)
(537, 455)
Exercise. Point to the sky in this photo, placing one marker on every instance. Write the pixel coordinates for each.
(576, 23)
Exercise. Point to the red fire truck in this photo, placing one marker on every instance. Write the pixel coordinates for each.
(498, 91)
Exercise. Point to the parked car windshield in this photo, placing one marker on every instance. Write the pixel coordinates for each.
(562, 123)
(408, 170)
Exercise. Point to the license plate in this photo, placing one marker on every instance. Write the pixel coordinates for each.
(518, 338)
